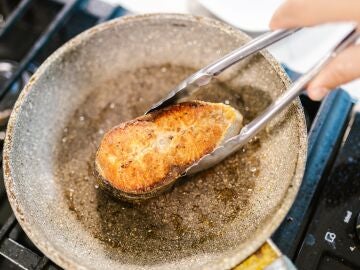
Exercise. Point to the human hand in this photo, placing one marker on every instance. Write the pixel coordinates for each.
(298, 13)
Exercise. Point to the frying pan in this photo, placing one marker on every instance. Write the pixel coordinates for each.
(112, 73)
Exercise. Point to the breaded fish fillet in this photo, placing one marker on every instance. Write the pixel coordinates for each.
(151, 151)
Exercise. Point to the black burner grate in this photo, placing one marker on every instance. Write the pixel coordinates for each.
(16, 249)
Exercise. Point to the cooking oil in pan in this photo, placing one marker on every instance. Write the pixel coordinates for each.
(196, 212)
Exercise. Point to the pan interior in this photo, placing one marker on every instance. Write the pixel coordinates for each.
(199, 213)
(112, 75)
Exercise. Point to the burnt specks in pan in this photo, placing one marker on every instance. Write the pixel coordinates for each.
(179, 24)
(185, 219)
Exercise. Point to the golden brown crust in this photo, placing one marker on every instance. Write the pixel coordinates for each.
(141, 154)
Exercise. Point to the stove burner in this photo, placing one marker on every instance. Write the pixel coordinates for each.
(7, 69)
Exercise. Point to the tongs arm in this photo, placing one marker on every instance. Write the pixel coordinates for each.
(254, 46)
(251, 129)
(297, 87)
(204, 75)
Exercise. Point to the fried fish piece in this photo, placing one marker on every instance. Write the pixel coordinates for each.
(140, 158)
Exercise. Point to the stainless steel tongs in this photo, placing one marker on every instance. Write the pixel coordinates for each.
(204, 76)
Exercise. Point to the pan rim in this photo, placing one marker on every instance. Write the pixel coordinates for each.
(226, 262)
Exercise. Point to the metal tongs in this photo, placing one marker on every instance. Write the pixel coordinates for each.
(204, 76)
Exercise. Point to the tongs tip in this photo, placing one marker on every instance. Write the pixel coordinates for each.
(185, 88)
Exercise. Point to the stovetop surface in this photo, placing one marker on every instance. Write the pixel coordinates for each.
(331, 240)
(320, 230)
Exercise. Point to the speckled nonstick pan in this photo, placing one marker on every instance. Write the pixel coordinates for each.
(112, 73)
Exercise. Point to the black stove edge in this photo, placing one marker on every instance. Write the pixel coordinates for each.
(324, 138)
(332, 238)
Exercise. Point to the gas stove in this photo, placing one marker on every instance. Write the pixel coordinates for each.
(322, 229)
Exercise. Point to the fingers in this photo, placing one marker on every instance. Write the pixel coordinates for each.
(298, 13)
(344, 68)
